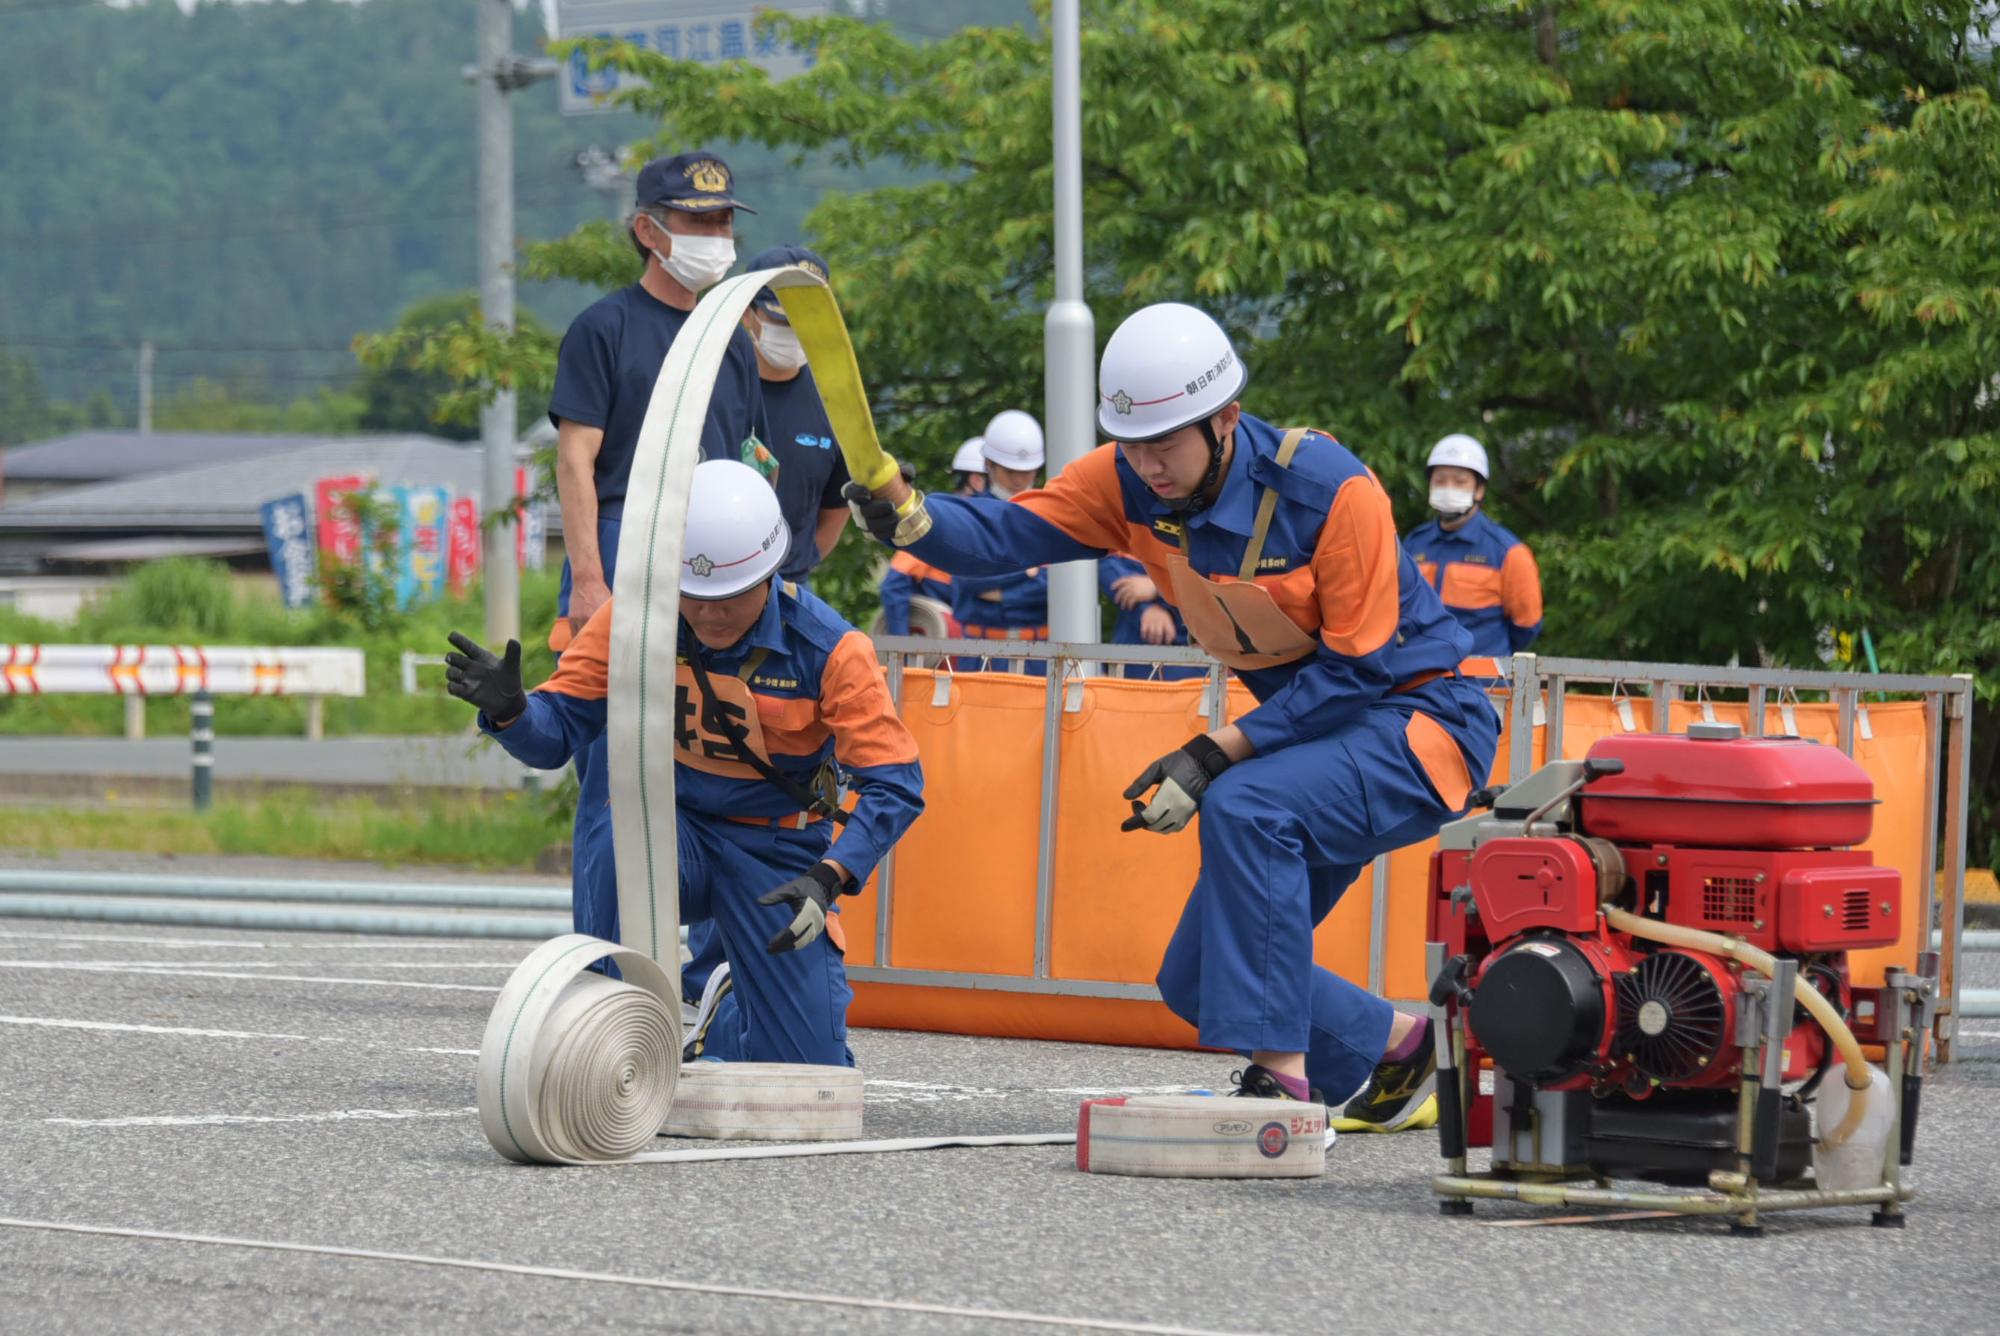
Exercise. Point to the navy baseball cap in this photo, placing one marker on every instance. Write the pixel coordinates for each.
(777, 257)
(697, 182)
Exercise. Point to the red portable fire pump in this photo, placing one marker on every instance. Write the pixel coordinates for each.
(1651, 947)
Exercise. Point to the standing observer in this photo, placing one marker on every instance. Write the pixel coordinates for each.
(683, 227)
(1484, 574)
(806, 466)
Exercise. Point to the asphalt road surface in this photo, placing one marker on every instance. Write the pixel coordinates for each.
(318, 1090)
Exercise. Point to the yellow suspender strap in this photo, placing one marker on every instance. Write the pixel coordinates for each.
(752, 664)
(1267, 505)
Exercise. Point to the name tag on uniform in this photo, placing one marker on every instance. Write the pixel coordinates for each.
(1274, 563)
(776, 683)
(1173, 529)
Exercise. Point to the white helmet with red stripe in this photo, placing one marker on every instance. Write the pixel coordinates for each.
(1167, 366)
(736, 533)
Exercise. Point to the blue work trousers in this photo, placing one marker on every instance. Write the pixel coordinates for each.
(789, 1007)
(593, 872)
(1282, 836)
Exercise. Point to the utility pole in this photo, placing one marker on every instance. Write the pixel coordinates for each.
(1069, 338)
(497, 72)
(146, 387)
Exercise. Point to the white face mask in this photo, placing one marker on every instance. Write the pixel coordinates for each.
(698, 262)
(1451, 502)
(780, 346)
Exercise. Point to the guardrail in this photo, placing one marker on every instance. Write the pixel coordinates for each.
(137, 672)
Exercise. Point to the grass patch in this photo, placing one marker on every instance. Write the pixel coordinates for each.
(501, 832)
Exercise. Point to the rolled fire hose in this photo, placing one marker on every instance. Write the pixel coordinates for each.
(1859, 1076)
(576, 1067)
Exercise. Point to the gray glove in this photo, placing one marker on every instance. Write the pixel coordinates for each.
(812, 891)
(879, 517)
(1183, 776)
(493, 684)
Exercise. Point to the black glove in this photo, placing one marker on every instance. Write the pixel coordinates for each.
(1183, 776)
(812, 891)
(492, 684)
(878, 514)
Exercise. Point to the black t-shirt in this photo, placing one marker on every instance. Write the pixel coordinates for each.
(811, 471)
(605, 372)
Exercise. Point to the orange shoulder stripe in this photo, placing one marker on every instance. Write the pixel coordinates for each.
(1521, 586)
(1355, 567)
(854, 702)
(1083, 500)
(585, 667)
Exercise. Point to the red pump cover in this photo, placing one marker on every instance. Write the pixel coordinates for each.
(1727, 793)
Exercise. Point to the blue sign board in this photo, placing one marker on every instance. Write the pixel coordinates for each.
(288, 535)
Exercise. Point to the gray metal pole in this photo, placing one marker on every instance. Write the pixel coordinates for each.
(145, 387)
(496, 300)
(201, 719)
(1069, 334)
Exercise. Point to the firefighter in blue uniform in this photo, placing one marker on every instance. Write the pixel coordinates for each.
(1279, 549)
(907, 577)
(1006, 605)
(780, 700)
(1484, 574)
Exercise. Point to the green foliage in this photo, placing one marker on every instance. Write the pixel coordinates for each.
(187, 599)
(488, 830)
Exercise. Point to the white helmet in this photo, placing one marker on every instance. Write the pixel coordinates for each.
(736, 533)
(1459, 451)
(1013, 440)
(1166, 366)
(971, 457)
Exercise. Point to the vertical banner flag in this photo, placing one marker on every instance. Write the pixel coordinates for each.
(288, 536)
(339, 533)
(462, 544)
(531, 524)
(420, 543)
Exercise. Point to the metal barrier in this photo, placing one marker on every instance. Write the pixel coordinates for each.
(1537, 691)
(1948, 721)
(138, 671)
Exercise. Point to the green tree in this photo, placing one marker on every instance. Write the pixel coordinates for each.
(1717, 280)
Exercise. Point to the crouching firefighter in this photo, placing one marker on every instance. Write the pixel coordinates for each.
(1278, 548)
(778, 701)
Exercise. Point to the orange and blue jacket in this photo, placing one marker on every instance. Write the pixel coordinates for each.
(1330, 562)
(905, 578)
(1487, 577)
(812, 691)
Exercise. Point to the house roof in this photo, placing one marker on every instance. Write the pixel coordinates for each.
(227, 495)
(104, 455)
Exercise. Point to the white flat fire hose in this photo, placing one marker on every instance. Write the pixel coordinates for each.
(579, 1068)
(1199, 1136)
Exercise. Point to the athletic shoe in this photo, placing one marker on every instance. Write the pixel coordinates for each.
(1255, 1082)
(718, 987)
(1399, 1097)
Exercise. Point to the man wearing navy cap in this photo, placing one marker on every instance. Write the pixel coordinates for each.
(683, 227)
(806, 465)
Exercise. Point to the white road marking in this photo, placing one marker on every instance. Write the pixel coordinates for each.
(611, 1278)
(235, 1119)
(230, 974)
(374, 944)
(118, 1027)
(53, 1023)
(182, 965)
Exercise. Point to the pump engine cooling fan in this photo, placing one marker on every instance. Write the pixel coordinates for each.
(1673, 1015)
